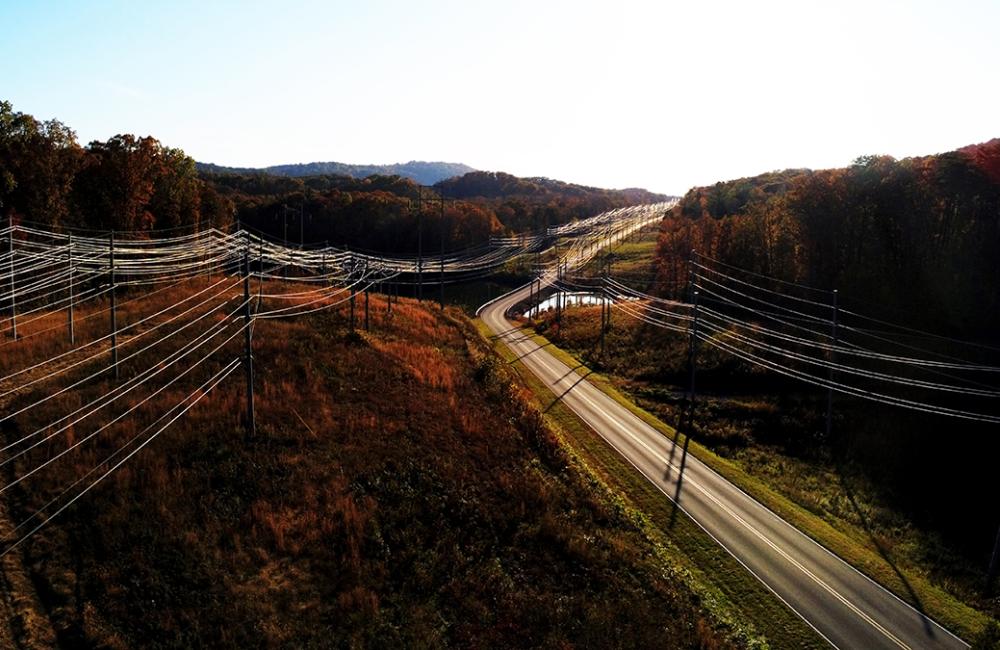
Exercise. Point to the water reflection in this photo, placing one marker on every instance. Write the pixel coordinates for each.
(570, 298)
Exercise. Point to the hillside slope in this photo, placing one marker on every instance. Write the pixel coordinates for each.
(400, 492)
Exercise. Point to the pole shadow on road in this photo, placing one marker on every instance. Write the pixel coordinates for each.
(687, 417)
(522, 336)
(501, 335)
(570, 372)
(531, 352)
(566, 392)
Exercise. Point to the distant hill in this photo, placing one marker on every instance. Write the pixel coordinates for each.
(422, 172)
(498, 185)
(377, 212)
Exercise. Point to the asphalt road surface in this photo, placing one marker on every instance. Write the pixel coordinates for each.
(846, 608)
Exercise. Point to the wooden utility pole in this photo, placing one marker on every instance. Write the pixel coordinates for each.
(693, 355)
(442, 250)
(609, 296)
(559, 293)
(420, 246)
(284, 217)
(354, 291)
(991, 573)
(366, 297)
(251, 423)
(531, 295)
(538, 249)
(388, 299)
(69, 255)
(13, 299)
(604, 309)
(833, 359)
(114, 306)
(302, 226)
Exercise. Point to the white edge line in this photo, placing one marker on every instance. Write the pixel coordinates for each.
(695, 521)
(777, 516)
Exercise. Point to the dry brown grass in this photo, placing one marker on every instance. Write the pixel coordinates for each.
(401, 491)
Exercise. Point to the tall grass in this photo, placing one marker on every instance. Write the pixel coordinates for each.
(401, 491)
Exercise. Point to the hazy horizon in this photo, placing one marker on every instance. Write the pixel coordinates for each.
(633, 95)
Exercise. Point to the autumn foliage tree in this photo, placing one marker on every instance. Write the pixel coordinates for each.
(919, 236)
(38, 163)
(116, 184)
(126, 183)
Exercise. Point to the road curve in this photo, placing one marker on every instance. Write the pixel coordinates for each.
(845, 607)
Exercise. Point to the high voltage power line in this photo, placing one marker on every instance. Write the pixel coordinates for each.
(43, 273)
(748, 320)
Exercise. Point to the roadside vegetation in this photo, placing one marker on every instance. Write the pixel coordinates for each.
(731, 593)
(765, 434)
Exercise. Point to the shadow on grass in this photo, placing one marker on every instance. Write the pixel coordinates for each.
(884, 553)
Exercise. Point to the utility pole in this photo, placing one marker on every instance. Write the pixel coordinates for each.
(531, 294)
(559, 293)
(537, 283)
(69, 254)
(13, 300)
(609, 297)
(538, 250)
(693, 356)
(388, 299)
(442, 250)
(251, 423)
(604, 308)
(420, 246)
(691, 275)
(833, 360)
(366, 296)
(114, 310)
(991, 574)
(284, 218)
(353, 293)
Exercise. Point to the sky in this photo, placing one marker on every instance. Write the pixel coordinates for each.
(657, 94)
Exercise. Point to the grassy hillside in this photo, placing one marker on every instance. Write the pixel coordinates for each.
(401, 492)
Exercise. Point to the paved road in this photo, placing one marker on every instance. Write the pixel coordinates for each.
(842, 605)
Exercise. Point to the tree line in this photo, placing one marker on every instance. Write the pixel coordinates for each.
(918, 236)
(392, 213)
(137, 184)
(127, 183)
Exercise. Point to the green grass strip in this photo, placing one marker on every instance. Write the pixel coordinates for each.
(730, 593)
(854, 548)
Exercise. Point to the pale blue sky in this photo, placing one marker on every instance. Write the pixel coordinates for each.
(656, 94)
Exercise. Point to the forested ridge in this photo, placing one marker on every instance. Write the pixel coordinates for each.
(138, 184)
(125, 183)
(423, 172)
(912, 248)
(390, 213)
(918, 237)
